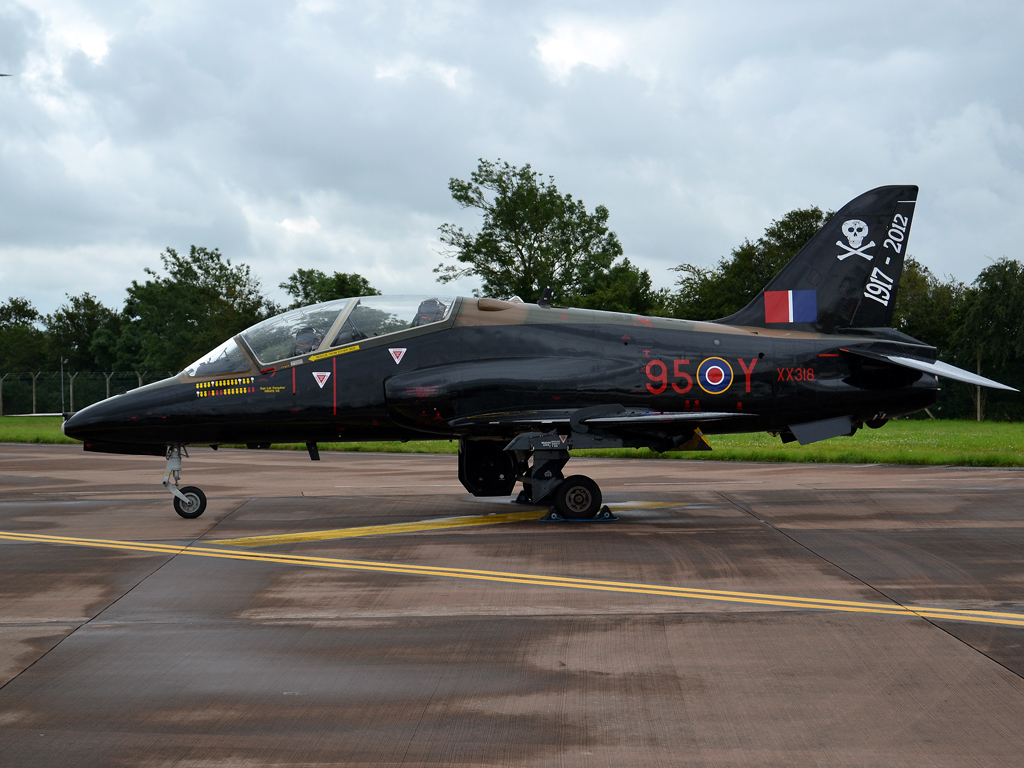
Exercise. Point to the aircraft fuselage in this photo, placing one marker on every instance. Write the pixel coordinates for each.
(425, 383)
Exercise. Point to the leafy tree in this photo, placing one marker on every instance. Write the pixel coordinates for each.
(16, 312)
(311, 286)
(22, 342)
(714, 292)
(928, 308)
(533, 237)
(172, 319)
(623, 288)
(73, 328)
(104, 346)
(990, 336)
(931, 309)
(991, 329)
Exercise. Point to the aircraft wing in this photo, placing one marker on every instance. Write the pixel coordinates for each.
(936, 368)
(605, 416)
(637, 417)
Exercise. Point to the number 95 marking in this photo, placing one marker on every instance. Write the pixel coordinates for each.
(657, 372)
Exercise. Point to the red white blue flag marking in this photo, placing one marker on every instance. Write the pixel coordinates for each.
(790, 306)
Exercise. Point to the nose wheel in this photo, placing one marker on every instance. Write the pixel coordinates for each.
(189, 502)
(194, 503)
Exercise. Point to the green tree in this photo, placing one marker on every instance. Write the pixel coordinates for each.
(708, 293)
(22, 341)
(311, 286)
(990, 336)
(623, 288)
(992, 329)
(72, 330)
(928, 308)
(174, 318)
(533, 237)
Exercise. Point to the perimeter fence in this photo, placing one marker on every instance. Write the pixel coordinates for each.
(35, 392)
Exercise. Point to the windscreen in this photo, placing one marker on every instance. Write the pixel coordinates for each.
(293, 333)
(227, 358)
(379, 315)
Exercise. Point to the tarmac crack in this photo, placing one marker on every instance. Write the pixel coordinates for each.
(872, 587)
(89, 621)
(430, 699)
(119, 598)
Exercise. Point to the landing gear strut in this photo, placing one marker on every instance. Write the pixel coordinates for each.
(189, 502)
(489, 468)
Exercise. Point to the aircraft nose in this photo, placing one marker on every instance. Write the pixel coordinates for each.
(102, 421)
(152, 415)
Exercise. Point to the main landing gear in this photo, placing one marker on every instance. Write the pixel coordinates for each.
(492, 468)
(577, 498)
(189, 502)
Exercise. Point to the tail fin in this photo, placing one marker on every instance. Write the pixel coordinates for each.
(847, 275)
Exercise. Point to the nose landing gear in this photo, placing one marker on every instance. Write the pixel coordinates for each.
(189, 502)
(194, 503)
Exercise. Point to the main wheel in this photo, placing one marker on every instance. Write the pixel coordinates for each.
(578, 498)
(195, 506)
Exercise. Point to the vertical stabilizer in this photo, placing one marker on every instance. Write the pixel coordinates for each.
(847, 275)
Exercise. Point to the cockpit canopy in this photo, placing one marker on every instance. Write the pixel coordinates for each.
(293, 333)
(322, 326)
(227, 358)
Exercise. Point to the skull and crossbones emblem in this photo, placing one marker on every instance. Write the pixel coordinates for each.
(855, 231)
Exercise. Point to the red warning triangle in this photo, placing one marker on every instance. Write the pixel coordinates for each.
(321, 377)
(398, 354)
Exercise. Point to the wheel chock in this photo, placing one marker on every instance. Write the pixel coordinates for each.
(604, 515)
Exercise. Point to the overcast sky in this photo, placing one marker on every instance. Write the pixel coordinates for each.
(323, 134)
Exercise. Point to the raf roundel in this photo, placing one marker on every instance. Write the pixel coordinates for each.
(714, 375)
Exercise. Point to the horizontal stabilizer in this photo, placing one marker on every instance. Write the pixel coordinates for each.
(947, 371)
(934, 367)
(929, 367)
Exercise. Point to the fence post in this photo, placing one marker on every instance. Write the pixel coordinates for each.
(38, 374)
(977, 392)
(107, 377)
(71, 386)
(140, 377)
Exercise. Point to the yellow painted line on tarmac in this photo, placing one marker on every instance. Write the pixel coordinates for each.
(378, 530)
(646, 505)
(437, 524)
(728, 596)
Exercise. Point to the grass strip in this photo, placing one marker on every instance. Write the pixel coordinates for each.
(32, 429)
(956, 443)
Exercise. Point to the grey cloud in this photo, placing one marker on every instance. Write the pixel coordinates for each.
(215, 123)
(19, 29)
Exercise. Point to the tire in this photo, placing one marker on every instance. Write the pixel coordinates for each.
(196, 503)
(578, 498)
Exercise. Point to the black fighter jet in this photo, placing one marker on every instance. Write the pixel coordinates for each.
(520, 385)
